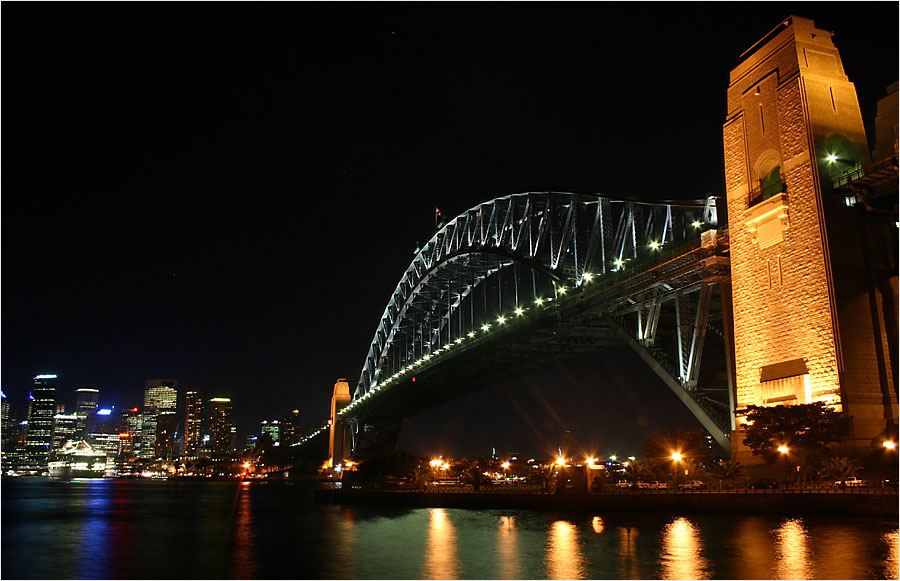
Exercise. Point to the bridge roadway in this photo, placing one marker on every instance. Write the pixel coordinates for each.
(585, 320)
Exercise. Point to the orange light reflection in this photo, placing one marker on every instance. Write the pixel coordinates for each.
(440, 548)
(564, 558)
(507, 549)
(682, 552)
(792, 551)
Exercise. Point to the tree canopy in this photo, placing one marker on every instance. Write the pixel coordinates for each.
(807, 428)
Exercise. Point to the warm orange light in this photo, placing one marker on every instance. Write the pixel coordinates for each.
(677, 456)
(505, 465)
(889, 445)
(560, 461)
(783, 449)
(246, 465)
(436, 463)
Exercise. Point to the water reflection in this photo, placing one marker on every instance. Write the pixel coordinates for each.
(507, 549)
(243, 565)
(564, 558)
(628, 555)
(792, 551)
(597, 524)
(440, 549)
(95, 531)
(682, 552)
(750, 547)
(892, 558)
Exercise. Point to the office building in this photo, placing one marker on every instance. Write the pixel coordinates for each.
(193, 421)
(290, 429)
(130, 432)
(272, 430)
(86, 399)
(39, 432)
(103, 431)
(160, 395)
(65, 429)
(222, 432)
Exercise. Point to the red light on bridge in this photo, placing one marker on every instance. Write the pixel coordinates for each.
(414, 379)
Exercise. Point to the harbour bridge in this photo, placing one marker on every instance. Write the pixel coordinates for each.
(521, 281)
(793, 301)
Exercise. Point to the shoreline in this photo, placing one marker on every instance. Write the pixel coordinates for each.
(742, 502)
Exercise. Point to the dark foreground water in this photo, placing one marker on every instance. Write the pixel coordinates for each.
(97, 529)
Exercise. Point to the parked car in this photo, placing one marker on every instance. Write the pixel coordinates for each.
(692, 485)
(851, 482)
(652, 485)
(765, 484)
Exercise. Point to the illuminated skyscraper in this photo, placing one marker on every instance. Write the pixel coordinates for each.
(193, 421)
(272, 429)
(39, 433)
(130, 434)
(221, 425)
(85, 404)
(65, 428)
(160, 395)
(290, 429)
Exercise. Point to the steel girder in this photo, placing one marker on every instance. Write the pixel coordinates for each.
(504, 254)
(518, 243)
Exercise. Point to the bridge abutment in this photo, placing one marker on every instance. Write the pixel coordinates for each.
(806, 328)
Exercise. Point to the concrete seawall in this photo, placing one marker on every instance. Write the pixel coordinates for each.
(860, 504)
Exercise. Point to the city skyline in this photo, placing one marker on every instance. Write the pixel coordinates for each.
(234, 209)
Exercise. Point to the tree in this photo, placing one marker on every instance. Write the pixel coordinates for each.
(726, 470)
(806, 428)
(841, 468)
(637, 470)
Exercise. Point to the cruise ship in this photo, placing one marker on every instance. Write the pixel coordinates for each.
(77, 460)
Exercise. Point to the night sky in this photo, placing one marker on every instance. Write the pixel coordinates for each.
(227, 194)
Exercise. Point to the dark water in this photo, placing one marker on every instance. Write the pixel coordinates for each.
(98, 529)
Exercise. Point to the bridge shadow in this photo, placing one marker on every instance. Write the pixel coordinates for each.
(608, 401)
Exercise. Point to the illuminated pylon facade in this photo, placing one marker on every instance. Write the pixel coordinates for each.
(338, 435)
(809, 323)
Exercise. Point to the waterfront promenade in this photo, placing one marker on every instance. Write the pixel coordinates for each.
(793, 501)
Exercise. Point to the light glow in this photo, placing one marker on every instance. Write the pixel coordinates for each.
(831, 158)
(501, 319)
(783, 449)
(539, 301)
(676, 456)
(519, 311)
(104, 412)
(485, 327)
(654, 245)
(889, 445)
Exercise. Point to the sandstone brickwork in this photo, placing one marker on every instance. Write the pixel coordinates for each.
(798, 287)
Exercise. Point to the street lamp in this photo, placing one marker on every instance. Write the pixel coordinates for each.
(889, 445)
(784, 453)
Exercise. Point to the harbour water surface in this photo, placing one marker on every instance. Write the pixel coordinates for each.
(102, 529)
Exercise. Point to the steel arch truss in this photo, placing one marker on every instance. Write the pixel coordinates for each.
(518, 252)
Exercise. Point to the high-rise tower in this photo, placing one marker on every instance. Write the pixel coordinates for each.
(39, 433)
(221, 425)
(160, 397)
(807, 325)
(193, 421)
